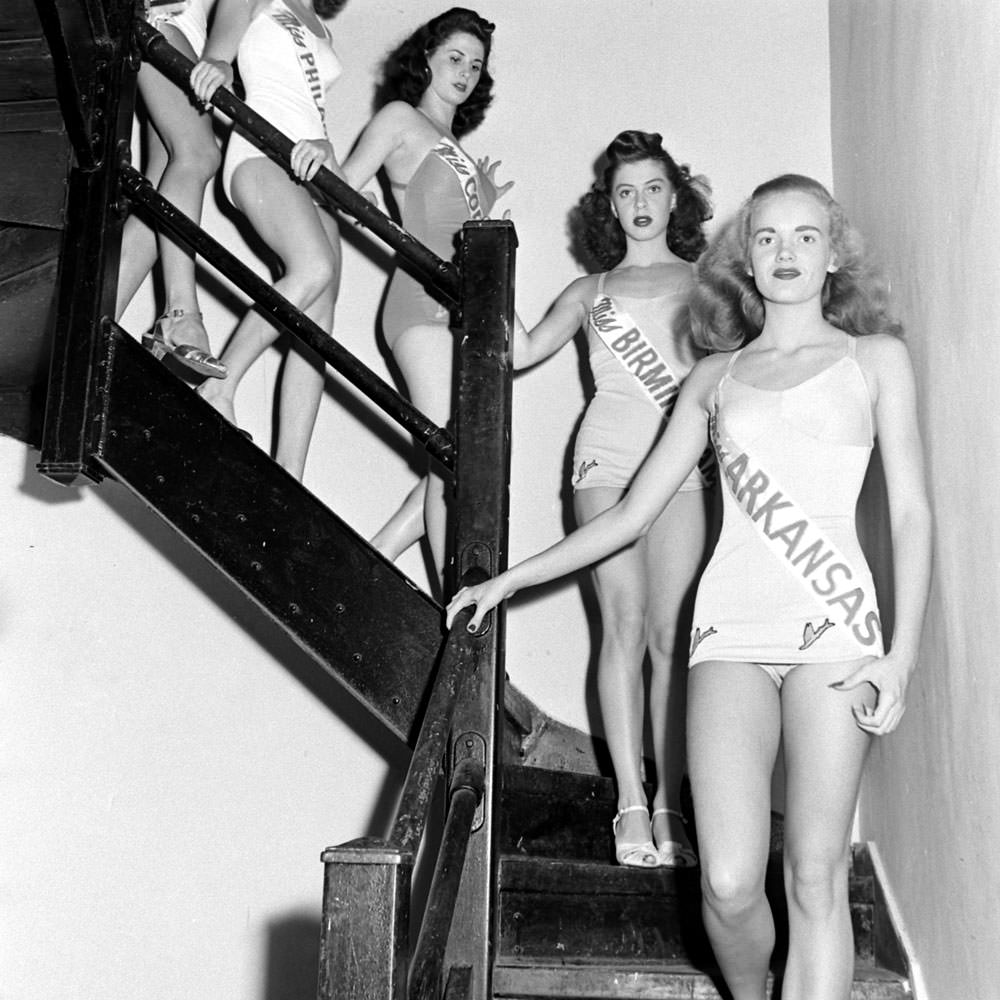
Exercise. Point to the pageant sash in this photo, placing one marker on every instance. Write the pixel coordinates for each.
(306, 55)
(466, 172)
(798, 543)
(640, 358)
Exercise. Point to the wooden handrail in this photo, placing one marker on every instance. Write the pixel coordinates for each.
(467, 785)
(438, 442)
(441, 274)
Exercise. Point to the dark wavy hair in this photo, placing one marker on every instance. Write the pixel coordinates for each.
(406, 75)
(328, 8)
(598, 231)
(726, 308)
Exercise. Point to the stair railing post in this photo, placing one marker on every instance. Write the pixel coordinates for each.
(103, 84)
(479, 534)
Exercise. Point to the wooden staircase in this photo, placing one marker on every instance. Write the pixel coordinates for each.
(570, 923)
(575, 925)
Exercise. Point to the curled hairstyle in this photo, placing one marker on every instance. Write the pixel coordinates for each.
(600, 233)
(727, 310)
(328, 8)
(406, 74)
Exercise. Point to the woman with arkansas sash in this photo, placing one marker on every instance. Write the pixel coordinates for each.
(437, 88)
(786, 644)
(288, 65)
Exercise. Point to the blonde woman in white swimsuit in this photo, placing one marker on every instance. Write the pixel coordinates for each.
(787, 642)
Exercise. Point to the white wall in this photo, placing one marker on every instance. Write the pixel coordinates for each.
(170, 772)
(916, 135)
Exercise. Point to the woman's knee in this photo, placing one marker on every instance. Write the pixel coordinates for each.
(315, 275)
(196, 154)
(624, 625)
(662, 641)
(816, 885)
(730, 889)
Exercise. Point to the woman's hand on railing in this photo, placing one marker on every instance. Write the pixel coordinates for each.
(308, 155)
(207, 76)
(484, 596)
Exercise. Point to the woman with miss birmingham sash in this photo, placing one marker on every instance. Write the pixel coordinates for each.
(787, 646)
(437, 88)
(288, 66)
(641, 222)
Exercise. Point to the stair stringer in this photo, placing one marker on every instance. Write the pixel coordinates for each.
(359, 617)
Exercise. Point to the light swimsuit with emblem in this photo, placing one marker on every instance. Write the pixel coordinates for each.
(446, 190)
(287, 70)
(788, 582)
(189, 17)
(634, 390)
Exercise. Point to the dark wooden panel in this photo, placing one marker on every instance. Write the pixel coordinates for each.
(23, 248)
(19, 20)
(31, 116)
(33, 170)
(26, 309)
(26, 72)
(21, 414)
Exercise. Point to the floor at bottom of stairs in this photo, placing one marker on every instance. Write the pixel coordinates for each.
(634, 981)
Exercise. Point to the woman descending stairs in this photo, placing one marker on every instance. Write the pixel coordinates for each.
(574, 924)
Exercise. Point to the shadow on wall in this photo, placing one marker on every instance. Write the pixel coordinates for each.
(292, 958)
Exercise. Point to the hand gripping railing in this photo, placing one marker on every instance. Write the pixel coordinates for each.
(441, 275)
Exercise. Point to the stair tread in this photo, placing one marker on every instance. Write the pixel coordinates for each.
(620, 980)
(538, 873)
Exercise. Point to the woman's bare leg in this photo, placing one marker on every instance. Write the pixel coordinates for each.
(307, 241)
(825, 753)
(192, 159)
(674, 552)
(620, 582)
(734, 729)
(425, 355)
(405, 527)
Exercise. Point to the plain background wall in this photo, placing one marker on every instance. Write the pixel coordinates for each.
(916, 140)
(171, 767)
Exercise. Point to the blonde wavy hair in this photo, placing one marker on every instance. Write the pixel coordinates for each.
(728, 311)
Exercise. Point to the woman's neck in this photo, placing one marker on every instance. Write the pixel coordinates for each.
(437, 111)
(788, 326)
(648, 253)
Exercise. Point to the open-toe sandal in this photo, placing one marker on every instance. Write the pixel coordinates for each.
(671, 853)
(187, 354)
(640, 854)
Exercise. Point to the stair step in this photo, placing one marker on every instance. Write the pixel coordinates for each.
(563, 814)
(552, 908)
(668, 981)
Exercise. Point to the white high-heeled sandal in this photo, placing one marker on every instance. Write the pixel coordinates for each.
(670, 853)
(187, 354)
(640, 854)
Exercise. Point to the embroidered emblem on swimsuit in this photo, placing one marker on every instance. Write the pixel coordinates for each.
(811, 633)
(585, 467)
(699, 636)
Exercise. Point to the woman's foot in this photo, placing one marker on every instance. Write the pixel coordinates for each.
(217, 400)
(181, 333)
(673, 847)
(634, 847)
